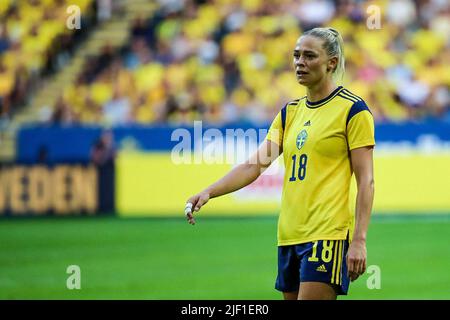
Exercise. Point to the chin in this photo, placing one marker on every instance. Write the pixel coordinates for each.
(303, 82)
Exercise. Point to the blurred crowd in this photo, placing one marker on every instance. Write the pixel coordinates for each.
(34, 40)
(226, 61)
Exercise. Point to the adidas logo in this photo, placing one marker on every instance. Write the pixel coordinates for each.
(307, 123)
(321, 268)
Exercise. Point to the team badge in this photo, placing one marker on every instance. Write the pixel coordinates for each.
(301, 139)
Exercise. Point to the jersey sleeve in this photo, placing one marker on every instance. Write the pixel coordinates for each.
(275, 133)
(360, 126)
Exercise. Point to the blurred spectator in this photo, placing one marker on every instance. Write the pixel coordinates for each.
(117, 110)
(439, 102)
(138, 54)
(42, 157)
(139, 28)
(7, 81)
(62, 114)
(4, 40)
(103, 154)
(414, 94)
(315, 13)
(208, 51)
(401, 12)
(103, 151)
(104, 59)
(104, 10)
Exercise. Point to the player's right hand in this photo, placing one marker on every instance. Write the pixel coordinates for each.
(193, 204)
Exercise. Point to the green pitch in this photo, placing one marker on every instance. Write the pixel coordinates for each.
(219, 258)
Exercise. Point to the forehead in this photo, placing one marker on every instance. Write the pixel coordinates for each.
(309, 43)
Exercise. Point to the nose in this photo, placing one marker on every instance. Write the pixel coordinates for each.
(300, 62)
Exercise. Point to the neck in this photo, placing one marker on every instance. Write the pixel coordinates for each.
(320, 90)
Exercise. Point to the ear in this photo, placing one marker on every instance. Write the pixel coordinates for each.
(332, 64)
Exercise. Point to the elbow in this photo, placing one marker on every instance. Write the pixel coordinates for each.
(253, 171)
(367, 183)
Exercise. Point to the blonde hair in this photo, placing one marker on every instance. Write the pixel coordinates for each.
(333, 44)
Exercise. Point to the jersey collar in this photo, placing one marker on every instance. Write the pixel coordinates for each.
(319, 103)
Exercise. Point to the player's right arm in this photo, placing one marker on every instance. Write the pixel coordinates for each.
(239, 177)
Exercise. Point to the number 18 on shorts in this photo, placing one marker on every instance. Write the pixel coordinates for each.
(316, 261)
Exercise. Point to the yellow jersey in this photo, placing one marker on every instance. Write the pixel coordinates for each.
(316, 138)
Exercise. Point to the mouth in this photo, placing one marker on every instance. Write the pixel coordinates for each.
(300, 73)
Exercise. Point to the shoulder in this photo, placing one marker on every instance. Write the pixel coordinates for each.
(284, 110)
(294, 103)
(356, 104)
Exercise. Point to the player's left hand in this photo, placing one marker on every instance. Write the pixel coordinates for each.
(356, 259)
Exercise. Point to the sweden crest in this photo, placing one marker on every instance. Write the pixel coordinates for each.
(301, 139)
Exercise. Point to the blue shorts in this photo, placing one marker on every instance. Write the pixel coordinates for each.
(317, 261)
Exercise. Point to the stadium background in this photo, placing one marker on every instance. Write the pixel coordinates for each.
(87, 117)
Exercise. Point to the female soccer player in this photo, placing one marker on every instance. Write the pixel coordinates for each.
(324, 137)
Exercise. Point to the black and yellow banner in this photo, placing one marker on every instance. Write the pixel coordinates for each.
(59, 190)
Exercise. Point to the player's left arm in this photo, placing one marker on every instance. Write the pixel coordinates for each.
(362, 163)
